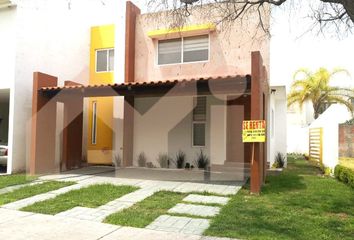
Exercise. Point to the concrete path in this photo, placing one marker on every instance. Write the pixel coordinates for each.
(12, 188)
(16, 225)
(42, 197)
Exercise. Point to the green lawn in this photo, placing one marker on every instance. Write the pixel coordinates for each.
(146, 211)
(29, 191)
(92, 197)
(347, 162)
(11, 180)
(298, 204)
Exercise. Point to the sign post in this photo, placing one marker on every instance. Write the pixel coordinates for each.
(253, 131)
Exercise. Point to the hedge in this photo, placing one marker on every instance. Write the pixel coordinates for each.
(345, 175)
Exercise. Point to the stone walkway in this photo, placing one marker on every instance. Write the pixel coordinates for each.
(183, 225)
(42, 197)
(165, 223)
(16, 225)
(100, 213)
(196, 210)
(188, 225)
(12, 188)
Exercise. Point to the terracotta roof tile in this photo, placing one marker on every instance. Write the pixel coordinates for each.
(152, 83)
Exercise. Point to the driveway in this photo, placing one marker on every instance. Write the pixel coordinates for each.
(86, 223)
(18, 225)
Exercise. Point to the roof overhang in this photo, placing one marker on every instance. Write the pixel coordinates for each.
(186, 87)
(183, 31)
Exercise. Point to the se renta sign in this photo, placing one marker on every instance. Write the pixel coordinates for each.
(254, 131)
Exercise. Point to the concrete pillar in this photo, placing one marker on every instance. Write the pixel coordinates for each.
(128, 131)
(257, 113)
(42, 159)
(73, 129)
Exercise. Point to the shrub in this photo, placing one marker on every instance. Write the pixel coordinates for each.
(142, 160)
(150, 165)
(202, 160)
(180, 159)
(117, 161)
(188, 166)
(345, 175)
(164, 160)
(279, 160)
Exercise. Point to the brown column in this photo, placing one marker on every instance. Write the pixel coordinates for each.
(42, 159)
(128, 122)
(257, 114)
(73, 129)
(130, 23)
(128, 131)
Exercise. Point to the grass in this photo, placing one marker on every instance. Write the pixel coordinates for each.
(91, 197)
(347, 162)
(29, 191)
(11, 180)
(298, 204)
(143, 213)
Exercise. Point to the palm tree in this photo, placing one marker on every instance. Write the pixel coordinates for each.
(316, 88)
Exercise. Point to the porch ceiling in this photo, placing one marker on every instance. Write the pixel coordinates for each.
(193, 86)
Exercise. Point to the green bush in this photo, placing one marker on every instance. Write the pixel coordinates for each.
(345, 175)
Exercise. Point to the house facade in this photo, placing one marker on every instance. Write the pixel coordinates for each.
(150, 89)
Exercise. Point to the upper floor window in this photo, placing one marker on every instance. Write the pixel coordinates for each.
(105, 60)
(183, 50)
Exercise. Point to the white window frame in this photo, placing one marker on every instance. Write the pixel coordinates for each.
(199, 122)
(94, 123)
(182, 51)
(107, 50)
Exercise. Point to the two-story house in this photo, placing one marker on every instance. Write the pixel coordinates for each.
(158, 90)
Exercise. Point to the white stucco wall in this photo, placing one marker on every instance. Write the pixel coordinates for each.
(277, 123)
(51, 37)
(329, 121)
(165, 126)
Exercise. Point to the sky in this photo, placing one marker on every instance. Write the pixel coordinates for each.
(291, 49)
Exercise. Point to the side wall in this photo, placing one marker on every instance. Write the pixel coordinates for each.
(346, 136)
(56, 47)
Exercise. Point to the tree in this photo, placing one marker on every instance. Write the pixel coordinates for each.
(316, 88)
(325, 13)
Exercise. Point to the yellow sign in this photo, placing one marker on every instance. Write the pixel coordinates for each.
(254, 131)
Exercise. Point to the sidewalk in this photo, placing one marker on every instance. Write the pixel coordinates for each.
(18, 225)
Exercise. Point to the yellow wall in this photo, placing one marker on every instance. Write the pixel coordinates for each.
(102, 37)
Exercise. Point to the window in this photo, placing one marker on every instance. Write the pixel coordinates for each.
(94, 123)
(199, 122)
(105, 60)
(183, 50)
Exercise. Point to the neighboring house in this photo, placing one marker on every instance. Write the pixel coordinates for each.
(142, 88)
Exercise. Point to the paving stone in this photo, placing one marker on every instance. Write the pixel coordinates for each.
(28, 201)
(179, 224)
(196, 210)
(206, 199)
(12, 188)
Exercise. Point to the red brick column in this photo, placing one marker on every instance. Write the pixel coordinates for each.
(257, 113)
(44, 112)
(73, 129)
